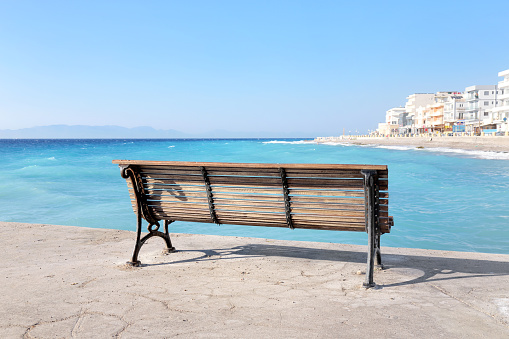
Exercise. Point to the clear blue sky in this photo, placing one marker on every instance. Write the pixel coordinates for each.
(309, 67)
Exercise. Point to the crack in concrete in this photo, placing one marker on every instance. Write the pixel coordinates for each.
(493, 316)
(77, 325)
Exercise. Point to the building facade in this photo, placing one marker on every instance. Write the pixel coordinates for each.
(480, 102)
(500, 113)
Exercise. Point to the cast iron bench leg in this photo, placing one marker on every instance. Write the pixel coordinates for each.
(153, 232)
(369, 183)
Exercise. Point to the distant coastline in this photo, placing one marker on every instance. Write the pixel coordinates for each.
(142, 132)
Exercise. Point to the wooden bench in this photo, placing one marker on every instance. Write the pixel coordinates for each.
(311, 196)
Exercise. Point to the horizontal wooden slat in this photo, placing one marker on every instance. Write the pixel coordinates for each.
(248, 203)
(221, 165)
(323, 218)
(148, 177)
(274, 173)
(243, 196)
(242, 189)
(246, 181)
(330, 173)
(321, 212)
(326, 193)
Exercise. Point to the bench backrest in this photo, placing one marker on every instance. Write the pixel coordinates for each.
(313, 196)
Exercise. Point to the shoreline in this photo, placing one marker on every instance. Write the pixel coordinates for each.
(478, 143)
(68, 281)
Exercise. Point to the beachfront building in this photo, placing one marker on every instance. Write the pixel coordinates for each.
(454, 109)
(500, 113)
(383, 129)
(414, 101)
(422, 123)
(437, 111)
(480, 102)
(394, 119)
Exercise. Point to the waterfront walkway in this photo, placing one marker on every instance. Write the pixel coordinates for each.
(61, 281)
(470, 143)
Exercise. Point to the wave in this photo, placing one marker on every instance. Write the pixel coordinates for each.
(398, 148)
(300, 142)
(171, 146)
(489, 155)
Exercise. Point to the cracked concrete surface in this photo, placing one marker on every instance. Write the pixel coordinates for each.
(72, 282)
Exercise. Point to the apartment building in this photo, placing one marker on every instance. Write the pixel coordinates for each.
(454, 109)
(394, 119)
(500, 113)
(414, 101)
(480, 102)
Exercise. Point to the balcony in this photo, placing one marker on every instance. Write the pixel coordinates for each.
(503, 84)
(503, 96)
(500, 109)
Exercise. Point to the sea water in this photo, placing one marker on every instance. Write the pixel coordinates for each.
(440, 198)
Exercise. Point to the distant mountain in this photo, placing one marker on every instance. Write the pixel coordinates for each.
(89, 132)
(144, 132)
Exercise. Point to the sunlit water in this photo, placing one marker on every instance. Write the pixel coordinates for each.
(440, 198)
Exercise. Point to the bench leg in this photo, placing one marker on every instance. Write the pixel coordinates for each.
(169, 247)
(371, 257)
(378, 257)
(153, 232)
(369, 189)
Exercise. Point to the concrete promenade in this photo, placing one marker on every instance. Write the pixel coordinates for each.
(71, 282)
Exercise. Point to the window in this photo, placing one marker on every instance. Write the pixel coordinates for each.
(486, 92)
(486, 103)
(485, 114)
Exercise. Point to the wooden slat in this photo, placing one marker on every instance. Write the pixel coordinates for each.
(221, 165)
(253, 209)
(324, 218)
(172, 199)
(243, 196)
(327, 193)
(252, 215)
(321, 212)
(170, 177)
(251, 203)
(331, 200)
(211, 171)
(246, 181)
(330, 173)
(318, 204)
(181, 195)
(159, 184)
(242, 189)
(304, 183)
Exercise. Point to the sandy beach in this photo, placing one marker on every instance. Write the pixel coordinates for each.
(479, 143)
(71, 282)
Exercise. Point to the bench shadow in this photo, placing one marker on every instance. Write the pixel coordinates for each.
(432, 268)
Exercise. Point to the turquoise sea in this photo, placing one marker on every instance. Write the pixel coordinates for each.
(440, 198)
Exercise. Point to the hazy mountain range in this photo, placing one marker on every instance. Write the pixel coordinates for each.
(118, 132)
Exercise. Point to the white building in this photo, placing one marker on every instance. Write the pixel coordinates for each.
(480, 102)
(500, 113)
(454, 109)
(395, 118)
(414, 101)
